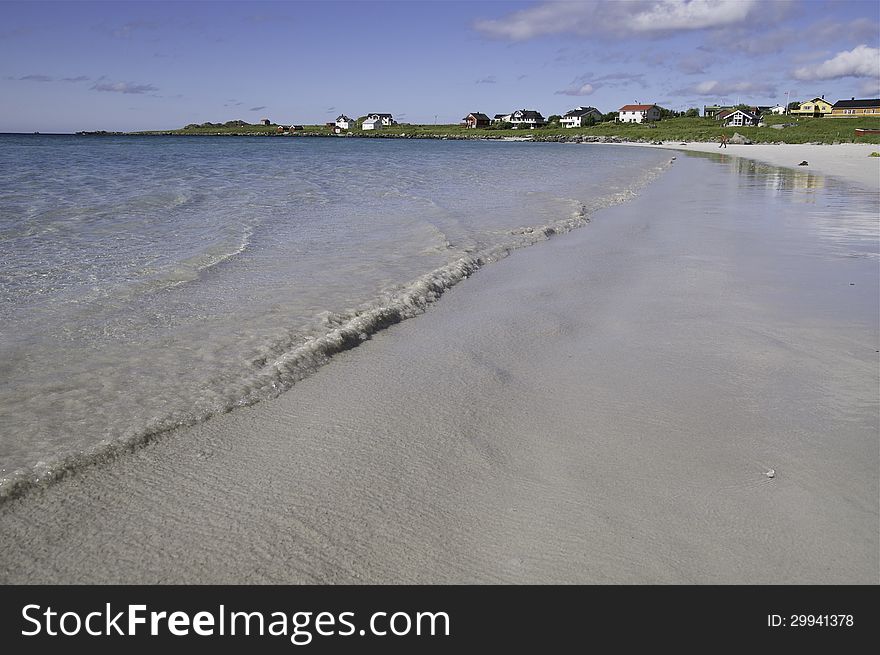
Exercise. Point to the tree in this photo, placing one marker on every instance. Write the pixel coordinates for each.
(693, 112)
(793, 105)
(555, 118)
(610, 116)
(589, 120)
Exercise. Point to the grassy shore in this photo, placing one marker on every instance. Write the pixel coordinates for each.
(804, 130)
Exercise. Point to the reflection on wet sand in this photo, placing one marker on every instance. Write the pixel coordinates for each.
(840, 213)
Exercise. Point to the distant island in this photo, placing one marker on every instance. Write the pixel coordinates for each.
(772, 129)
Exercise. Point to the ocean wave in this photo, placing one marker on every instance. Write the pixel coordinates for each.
(298, 359)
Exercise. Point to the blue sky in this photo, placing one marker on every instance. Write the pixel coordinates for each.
(70, 66)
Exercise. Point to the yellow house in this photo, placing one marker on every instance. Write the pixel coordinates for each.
(816, 108)
(854, 108)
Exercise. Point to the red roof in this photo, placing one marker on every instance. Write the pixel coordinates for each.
(636, 107)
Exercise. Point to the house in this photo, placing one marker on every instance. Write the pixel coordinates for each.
(579, 117)
(778, 110)
(265, 121)
(384, 120)
(501, 118)
(852, 108)
(638, 113)
(476, 119)
(817, 107)
(344, 122)
(712, 111)
(526, 118)
(738, 118)
(371, 123)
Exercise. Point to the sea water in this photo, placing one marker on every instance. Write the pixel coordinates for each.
(151, 282)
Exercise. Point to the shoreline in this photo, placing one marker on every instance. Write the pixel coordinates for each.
(600, 408)
(354, 326)
(842, 162)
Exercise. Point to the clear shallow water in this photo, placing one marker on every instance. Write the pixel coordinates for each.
(151, 282)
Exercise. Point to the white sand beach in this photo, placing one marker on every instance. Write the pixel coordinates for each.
(604, 407)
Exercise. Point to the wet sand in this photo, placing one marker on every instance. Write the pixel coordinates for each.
(847, 161)
(600, 408)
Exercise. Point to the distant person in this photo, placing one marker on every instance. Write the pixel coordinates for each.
(723, 143)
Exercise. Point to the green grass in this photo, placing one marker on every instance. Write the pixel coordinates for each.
(804, 130)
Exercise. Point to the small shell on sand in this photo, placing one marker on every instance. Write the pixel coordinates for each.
(771, 473)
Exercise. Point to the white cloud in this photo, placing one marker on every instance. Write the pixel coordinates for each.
(585, 85)
(583, 90)
(123, 87)
(861, 61)
(632, 17)
(692, 15)
(549, 18)
(721, 89)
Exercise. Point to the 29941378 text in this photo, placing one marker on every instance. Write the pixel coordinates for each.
(810, 621)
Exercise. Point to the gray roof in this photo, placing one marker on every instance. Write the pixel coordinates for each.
(855, 104)
(530, 114)
(581, 112)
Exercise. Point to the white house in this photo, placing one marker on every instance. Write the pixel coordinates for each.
(384, 119)
(578, 117)
(526, 118)
(502, 118)
(344, 122)
(738, 118)
(779, 110)
(371, 123)
(638, 113)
